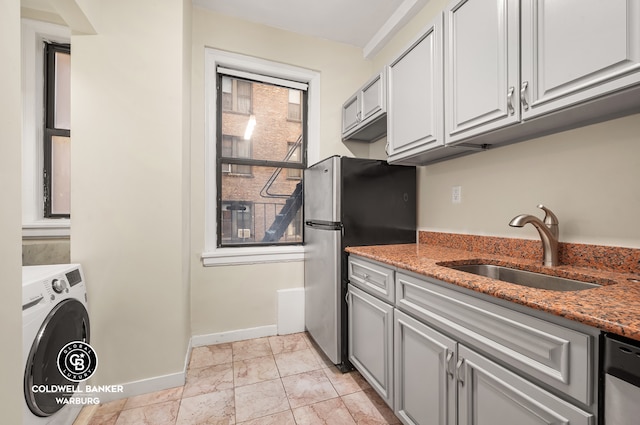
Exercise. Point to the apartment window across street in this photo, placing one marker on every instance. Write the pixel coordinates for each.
(57, 130)
(261, 152)
(236, 95)
(236, 147)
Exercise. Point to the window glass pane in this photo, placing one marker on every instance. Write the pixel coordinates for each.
(294, 96)
(62, 112)
(262, 209)
(244, 96)
(263, 109)
(295, 108)
(294, 173)
(60, 175)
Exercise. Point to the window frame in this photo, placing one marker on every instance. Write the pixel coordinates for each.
(249, 161)
(33, 35)
(50, 130)
(213, 255)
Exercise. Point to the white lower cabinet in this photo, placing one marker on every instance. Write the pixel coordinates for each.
(425, 389)
(442, 357)
(371, 340)
(490, 394)
(439, 381)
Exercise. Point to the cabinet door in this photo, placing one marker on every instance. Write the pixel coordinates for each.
(490, 394)
(481, 66)
(374, 98)
(424, 362)
(575, 50)
(350, 113)
(414, 115)
(371, 340)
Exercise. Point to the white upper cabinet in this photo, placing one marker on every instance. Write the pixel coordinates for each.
(415, 121)
(568, 63)
(482, 54)
(576, 50)
(363, 114)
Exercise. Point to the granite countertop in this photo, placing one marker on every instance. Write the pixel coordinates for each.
(614, 307)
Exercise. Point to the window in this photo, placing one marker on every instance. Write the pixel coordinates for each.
(295, 106)
(260, 161)
(236, 147)
(57, 130)
(237, 221)
(36, 35)
(236, 95)
(251, 69)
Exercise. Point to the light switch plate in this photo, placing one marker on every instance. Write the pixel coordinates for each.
(456, 194)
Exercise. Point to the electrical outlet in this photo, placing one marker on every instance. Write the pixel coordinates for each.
(456, 194)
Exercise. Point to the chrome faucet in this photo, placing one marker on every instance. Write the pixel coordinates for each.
(548, 230)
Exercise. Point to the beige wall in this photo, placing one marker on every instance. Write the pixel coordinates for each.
(10, 214)
(589, 177)
(227, 298)
(130, 173)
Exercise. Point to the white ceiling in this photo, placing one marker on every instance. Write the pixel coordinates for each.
(367, 24)
(363, 23)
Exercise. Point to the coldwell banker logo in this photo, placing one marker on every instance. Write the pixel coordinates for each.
(77, 361)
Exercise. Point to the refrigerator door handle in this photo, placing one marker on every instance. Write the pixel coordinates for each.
(325, 225)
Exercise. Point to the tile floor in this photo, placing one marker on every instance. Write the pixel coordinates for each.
(280, 380)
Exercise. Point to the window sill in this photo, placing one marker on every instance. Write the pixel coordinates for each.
(252, 255)
(47, 229)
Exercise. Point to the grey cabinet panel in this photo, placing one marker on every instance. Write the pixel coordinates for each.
(575, 50)
(415, 118)
(482, 64)
(371, 340)
(372, 278)
(425, 388)
(490, 394)
(560, 357)
(350, 114)
(363, 114)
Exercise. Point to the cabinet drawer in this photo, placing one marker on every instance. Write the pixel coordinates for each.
(557, 356)
(373, 278)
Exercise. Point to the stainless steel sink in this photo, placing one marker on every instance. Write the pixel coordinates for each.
(525, 278)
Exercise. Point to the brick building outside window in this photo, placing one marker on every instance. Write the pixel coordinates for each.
(261, 154)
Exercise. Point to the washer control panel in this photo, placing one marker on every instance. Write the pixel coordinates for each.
(59, 285)
(49, 284)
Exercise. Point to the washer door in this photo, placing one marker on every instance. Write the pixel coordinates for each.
(67, 322)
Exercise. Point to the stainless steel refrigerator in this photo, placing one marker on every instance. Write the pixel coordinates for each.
(348, 202)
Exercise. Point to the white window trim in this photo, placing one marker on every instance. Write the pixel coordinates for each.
(34, 225)
(214, 256)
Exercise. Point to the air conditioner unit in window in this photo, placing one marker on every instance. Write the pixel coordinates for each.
(244, 233)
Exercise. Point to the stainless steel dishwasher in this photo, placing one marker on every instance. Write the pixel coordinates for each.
(621, 369)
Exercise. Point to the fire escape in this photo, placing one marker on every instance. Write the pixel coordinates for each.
(291, 206)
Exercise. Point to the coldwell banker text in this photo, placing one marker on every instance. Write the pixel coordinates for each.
(77, 394)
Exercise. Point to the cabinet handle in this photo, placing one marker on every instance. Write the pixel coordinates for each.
(523, 98)
(359, 116)
(386, 148)
(365, 276)
(510, 101)
(346, 298)
(448, 364)
(460, 371)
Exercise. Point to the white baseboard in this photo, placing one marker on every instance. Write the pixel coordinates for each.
(145, 386)
(231, 336)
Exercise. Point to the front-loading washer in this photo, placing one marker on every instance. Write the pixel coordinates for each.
(54, 313)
